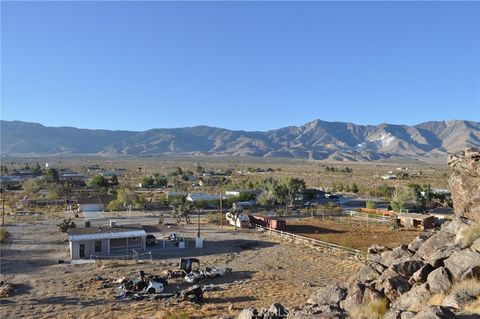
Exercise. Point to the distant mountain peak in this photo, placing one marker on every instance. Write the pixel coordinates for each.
(316, 139)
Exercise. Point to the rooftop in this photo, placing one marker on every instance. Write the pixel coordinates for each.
(106, 232)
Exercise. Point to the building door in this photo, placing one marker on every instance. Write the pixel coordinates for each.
(82, 251)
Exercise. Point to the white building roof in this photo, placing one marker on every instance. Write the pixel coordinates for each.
(108, 235)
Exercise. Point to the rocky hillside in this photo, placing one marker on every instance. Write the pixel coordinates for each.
(314, 140)
(436, 276)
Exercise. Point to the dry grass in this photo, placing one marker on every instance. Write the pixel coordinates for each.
(3, 234)
(171, 315)
(470, 287)
(104, 264)
(350, 232)
(470, 234)
(375, 309)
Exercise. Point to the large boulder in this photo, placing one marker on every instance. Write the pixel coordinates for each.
(465, 183)
(435, 243)
(420, 276)
(435, 312)
(458, 299)
(439, 280)
(461, 263)
(330, 295)
(407, 268)
(389, 258)
(359, 294)
(367, 274)
(248, 313)
(417, 294)
(394, 287)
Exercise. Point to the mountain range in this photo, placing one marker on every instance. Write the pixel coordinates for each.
(319, 140)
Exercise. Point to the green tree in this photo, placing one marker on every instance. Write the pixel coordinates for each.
(182, 211)
(200, 170)
(354, 188)
(266, 199)
(66, 224)
(4, 170)
(148, 181)
(37, 170)
(32, 186)
(294, 187)
(99, 181)
(52, 176)
(114, 180)
(371, 204)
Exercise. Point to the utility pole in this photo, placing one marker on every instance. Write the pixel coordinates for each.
(3, 204)
(221, 212)
(198, 220)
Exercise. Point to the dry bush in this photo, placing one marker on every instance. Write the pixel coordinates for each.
(104, 264)
(3, 234)
(375, 309)
(437, 299)
(470, 234)
(470, 287)
(171, 315)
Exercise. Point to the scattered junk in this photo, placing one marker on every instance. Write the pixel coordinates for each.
(194, 277)
(6, 290)
(186, 264)
(212, 272)
(192, 294)
(153, 287)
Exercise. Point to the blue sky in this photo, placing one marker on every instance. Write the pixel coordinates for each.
(250, 65)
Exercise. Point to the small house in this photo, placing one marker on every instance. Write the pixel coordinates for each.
(195, 197)
(86, 242)
(93, 203)
(420, 221)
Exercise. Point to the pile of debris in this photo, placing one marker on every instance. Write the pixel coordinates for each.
(6, 290)
(153, 287)
(190, 271)
(437, 275)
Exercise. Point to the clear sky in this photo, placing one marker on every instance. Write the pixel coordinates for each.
(250, 65)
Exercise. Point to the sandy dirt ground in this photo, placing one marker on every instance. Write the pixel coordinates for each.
(354, 233)
(265, 270)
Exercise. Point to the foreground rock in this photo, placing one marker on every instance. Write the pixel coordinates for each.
(436, 276)
(465, 183)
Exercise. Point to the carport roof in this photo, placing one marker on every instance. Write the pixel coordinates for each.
(104, 232)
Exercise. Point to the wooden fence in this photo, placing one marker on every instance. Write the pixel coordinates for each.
(311, 241)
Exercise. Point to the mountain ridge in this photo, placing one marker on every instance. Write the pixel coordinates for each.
(317, 139)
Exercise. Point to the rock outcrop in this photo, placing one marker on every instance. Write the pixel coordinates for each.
(465, 183)
(434, 276)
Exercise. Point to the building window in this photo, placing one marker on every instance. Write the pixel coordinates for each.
(98, 246)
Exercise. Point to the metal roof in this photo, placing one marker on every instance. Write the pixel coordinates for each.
(128, 233)
(414, 216)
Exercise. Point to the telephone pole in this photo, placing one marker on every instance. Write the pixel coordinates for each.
(221, 212)
(3, 189)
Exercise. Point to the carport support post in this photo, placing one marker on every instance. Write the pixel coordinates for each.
(221, 212)
(198, 219)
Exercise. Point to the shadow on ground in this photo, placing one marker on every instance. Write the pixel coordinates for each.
(309, 229)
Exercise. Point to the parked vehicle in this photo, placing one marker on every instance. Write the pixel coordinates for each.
(239, 220)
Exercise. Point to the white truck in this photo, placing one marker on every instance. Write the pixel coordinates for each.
(238, 219)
